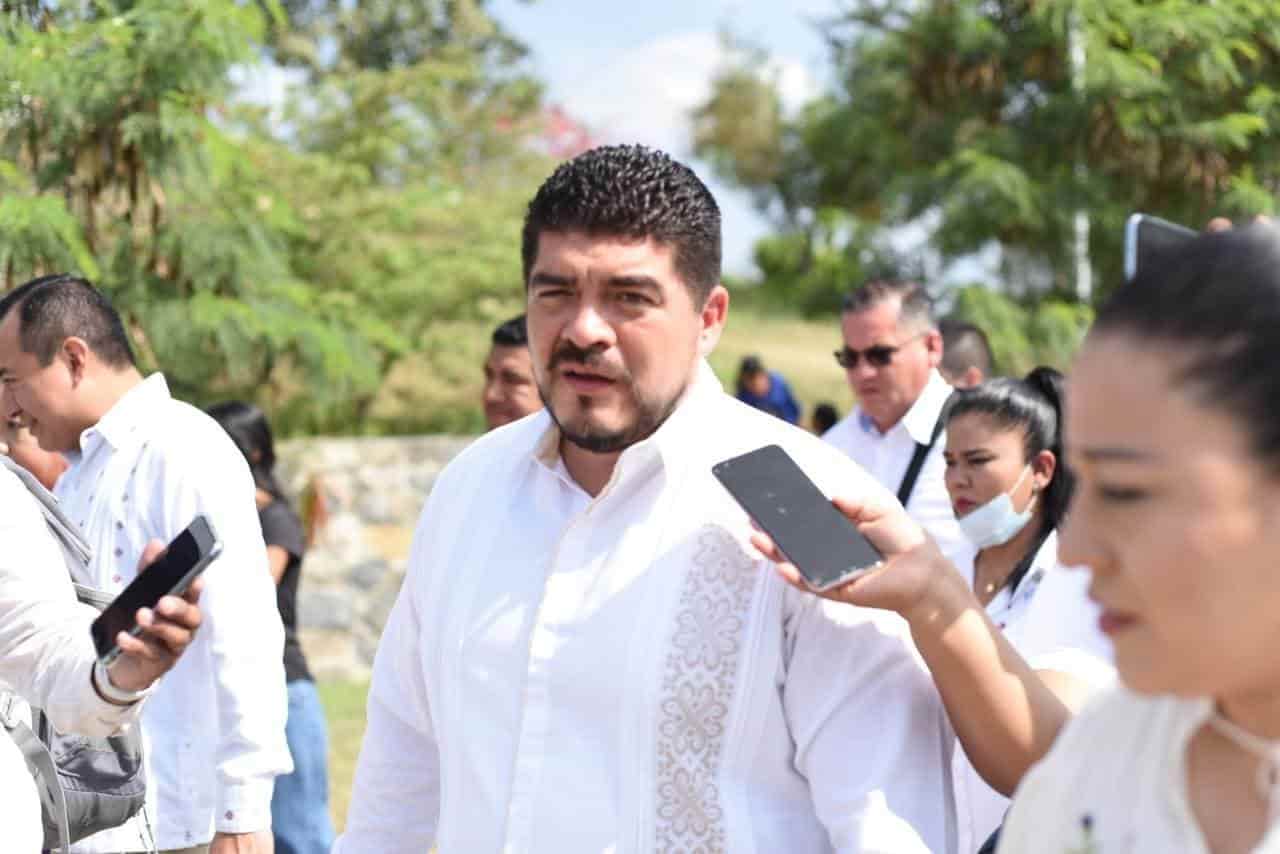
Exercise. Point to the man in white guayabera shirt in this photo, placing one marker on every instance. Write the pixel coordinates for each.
(142, 466)
(587, 655)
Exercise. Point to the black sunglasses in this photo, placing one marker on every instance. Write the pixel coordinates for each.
(878, 356)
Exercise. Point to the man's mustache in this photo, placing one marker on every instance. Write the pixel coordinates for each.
(591, 357)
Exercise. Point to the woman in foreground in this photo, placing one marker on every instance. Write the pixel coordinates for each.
(1174, 432)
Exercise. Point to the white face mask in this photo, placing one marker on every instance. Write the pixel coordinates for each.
(996, 522)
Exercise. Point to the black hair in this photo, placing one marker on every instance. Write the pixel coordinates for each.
(1033, 405)
(917, 306)
(52, 309)
(747, 368)
(634, 192)
(247, 426)
(964, 346)
(512, 333)
(1216, 299)
(825, 417)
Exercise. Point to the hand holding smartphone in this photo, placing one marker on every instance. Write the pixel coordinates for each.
(171, 573)
(815, 536)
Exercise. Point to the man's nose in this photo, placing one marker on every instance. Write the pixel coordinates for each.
(589, 327)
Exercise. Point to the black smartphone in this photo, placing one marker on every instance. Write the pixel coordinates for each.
(1147, 237)
(187, 556)
(815, 536)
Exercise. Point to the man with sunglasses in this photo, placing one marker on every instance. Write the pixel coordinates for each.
(891, 352)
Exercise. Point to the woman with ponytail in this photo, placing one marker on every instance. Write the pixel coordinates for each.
(1010, 637)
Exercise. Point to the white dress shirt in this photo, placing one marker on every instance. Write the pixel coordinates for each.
(46, 654)
(565, 674)
(885, 456)
(1051, 622)
(1115, 782)
(214, 729)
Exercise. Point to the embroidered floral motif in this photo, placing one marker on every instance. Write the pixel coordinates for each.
(697, 689)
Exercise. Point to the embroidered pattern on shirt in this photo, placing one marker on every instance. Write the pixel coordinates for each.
(698, 681)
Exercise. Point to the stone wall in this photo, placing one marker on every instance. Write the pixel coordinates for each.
(373, 490)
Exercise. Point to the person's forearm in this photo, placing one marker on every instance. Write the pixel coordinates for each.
(1003, 713)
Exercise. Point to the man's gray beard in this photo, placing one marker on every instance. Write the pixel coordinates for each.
(649, 417)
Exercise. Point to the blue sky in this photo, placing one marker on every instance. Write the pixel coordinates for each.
(632, 72)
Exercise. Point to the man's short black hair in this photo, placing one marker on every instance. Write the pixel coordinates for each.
(635, 192)
(917, 306)
(52, 309)
(965, 346)
(512, 333)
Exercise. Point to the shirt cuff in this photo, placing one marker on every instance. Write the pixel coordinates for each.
(244, 806)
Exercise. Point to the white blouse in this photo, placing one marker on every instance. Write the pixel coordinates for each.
(1051, 622)
(1115, 782)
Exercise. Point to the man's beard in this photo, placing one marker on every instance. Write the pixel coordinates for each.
(649, 414)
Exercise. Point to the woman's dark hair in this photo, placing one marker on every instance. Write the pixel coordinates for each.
(247, 426)
(1215, 301)
(1033, 405)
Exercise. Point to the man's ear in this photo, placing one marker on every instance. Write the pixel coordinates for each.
(933, 343)
(715, 311)
(76, 353)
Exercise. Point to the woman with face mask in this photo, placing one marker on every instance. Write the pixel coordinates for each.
(1009, 491)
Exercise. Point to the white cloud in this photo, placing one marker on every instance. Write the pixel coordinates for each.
(646, 93)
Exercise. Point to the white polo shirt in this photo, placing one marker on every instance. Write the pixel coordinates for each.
(885, 456)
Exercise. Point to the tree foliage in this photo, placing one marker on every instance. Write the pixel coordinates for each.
(288, 253)
(968, 110)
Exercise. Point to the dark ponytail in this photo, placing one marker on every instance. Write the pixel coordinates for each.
(1034, 406)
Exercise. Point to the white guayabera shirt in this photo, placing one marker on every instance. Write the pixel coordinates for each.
(1115, 782)
(625, 673)
(214, 729)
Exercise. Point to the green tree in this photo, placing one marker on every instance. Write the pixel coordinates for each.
(968, 109)
(292, 254)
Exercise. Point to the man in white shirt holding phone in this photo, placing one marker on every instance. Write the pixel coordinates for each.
(143, 465)
(587, 655)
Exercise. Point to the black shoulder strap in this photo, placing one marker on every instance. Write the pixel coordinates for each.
(917, 462)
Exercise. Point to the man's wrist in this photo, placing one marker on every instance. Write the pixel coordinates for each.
(100, 676)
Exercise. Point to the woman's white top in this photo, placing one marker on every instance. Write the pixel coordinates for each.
(1051, 622)
(1115, 782)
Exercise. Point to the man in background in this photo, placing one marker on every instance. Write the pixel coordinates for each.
(766, 390)
(966, 354)
(143, 465)
(509, 390)
(892, 349)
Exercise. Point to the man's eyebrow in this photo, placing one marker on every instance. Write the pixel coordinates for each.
(543, 278)
(635, 281)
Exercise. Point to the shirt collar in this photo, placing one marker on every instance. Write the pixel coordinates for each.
(667, 446)
(923, 414)
(129, 411)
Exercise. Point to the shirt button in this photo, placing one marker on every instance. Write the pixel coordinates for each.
(119, 552)
(119, 526)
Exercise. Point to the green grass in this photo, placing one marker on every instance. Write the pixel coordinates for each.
(344, 704)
